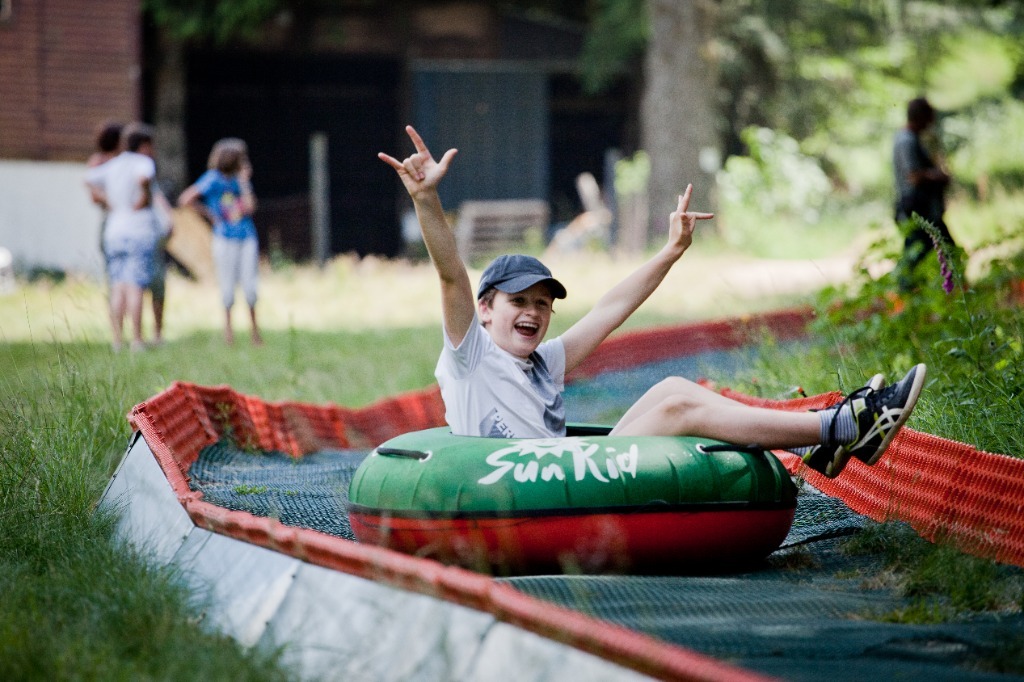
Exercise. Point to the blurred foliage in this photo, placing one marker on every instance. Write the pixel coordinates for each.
(970, 334)
(223, 21)
(833, 76)
(986, 146)
(631, 174)
(775, 177)
(219, 20)
(777, 200)
(617, 36)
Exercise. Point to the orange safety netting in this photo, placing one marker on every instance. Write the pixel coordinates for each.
(179, 422)
(651, 345)
(945, 490)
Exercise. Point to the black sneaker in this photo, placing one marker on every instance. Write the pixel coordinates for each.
(880, 414)
(830, 460)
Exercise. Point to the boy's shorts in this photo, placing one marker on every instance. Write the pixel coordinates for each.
(130, 261)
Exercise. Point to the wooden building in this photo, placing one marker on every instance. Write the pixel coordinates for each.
(501, 87)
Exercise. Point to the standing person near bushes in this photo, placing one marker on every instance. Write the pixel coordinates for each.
(124, 185)
(108, 145)
(163, 224)
(921, 186)
(224, 195)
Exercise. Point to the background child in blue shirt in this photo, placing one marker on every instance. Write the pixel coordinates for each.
(225, 196)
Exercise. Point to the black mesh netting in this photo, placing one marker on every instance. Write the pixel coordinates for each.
(309, 492)
(809, 612)
(802, 614)
(605, 397)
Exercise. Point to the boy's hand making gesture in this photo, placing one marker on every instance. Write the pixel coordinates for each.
(419, 172)
(612, 309)
(681, 224)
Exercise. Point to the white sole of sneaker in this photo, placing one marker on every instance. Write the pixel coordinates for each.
(915, 392)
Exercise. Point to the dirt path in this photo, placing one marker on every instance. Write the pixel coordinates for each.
(780, 277)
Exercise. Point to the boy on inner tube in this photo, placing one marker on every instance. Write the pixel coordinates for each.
(499, 378)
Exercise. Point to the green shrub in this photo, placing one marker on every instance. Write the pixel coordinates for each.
(969, 333)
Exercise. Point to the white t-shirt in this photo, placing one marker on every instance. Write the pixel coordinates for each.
(489, 392)
(121, 181)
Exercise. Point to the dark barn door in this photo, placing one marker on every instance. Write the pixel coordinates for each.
(584, 128)
(275, 103)
(521, 132)
(497, 118)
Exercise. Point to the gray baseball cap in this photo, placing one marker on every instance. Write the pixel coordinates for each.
(517, 272)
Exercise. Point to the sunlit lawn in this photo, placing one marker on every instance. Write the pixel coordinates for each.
(356, 330)
(350, 334)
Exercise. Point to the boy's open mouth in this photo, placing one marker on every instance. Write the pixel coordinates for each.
(527, 328)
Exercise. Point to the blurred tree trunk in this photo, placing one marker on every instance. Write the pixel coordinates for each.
(680, 120)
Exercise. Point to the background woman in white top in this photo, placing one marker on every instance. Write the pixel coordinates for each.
(124, 185)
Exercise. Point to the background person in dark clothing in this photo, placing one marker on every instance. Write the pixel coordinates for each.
(920, 188)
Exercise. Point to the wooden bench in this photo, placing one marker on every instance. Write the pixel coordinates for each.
(489, 228)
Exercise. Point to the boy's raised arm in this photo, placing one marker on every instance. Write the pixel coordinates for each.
(248, 198)
(612, 309)
(420, 174)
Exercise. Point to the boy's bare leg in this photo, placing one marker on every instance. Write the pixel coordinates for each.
(229, 333)
(133, 305)
(117, 310)
(667, 388)
(257, 339)
(158, 320)
(677, 407)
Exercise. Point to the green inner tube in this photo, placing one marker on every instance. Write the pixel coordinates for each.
(433, 473)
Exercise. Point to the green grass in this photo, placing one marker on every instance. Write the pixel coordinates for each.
(941, 582)
(972, 339)
(76, 606)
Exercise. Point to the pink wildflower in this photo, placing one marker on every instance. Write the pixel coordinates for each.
(940, 250)
(945, 269)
